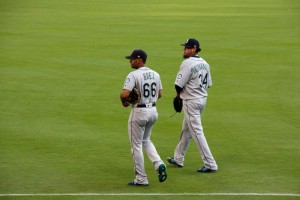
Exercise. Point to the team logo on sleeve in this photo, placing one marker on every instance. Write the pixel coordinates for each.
(179, 76)
(127, 80)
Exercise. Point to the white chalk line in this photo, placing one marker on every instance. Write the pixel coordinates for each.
(150, 194)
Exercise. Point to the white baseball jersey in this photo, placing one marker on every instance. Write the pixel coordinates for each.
(194, 77)
(147, 82)
(142, 120)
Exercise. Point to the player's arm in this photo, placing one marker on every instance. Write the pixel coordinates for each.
(159, 94)
(124, 97)
(178, 89)
(182, 78)
(159, 89)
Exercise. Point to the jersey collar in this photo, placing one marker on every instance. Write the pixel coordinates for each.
(144, 67)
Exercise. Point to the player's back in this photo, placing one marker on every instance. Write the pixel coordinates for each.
(196, 72)
(148, 82)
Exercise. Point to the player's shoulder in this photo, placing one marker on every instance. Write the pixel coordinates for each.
(134, 74)
(131, 73)
(144, 70)
(199, 60)
(153, 71)
(187, 63)
(205, 63)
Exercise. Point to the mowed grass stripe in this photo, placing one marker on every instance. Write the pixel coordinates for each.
(154, 194)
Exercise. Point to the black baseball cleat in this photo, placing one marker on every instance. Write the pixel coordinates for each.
(133, 183)
(162, 174)
(206, 170)
(173, 162)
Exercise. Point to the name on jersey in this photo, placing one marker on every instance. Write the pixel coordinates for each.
(148, 75)
(198, 68)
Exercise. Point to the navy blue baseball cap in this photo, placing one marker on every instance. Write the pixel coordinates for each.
(138, 53)
(192, 43)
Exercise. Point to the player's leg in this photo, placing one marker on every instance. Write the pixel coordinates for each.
(148, 146)
(136, 132)
(183, 144)
(192, 112)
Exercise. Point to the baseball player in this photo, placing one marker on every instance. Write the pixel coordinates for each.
(143, 116)
(191, 85)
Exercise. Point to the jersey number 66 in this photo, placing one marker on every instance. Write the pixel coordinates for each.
(149, 90)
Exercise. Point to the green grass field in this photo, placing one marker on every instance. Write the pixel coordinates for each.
(63, 129)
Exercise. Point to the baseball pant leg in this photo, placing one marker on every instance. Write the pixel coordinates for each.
(148, 146)
(183, 144)
(136, 134)
(192, 113)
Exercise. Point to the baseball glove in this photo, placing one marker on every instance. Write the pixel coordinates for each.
(134, 96)
(177, 103)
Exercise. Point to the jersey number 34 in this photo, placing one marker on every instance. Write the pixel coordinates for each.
(203, 80)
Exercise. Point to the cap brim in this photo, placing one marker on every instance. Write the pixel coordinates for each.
(128, 57)
(187, 46)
